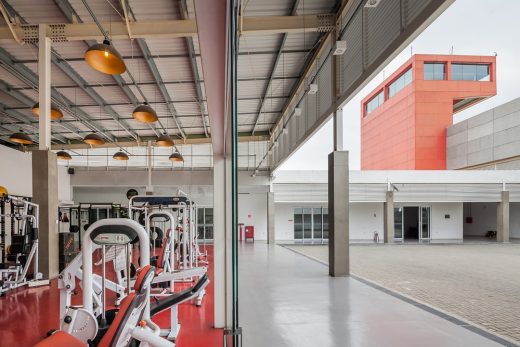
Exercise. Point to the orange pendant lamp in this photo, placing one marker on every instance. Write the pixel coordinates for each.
(21, 138)
(62, 155)
(144, 113)
(94, 139)
(120, 156)
(176, 157)
(104, 58)
(55, 111)
(164, 141)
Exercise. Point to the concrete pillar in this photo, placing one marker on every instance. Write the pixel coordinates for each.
(503, 217)
(338, 214)
(388, 236)
(45, 194)
(270, 218)
(44, 87)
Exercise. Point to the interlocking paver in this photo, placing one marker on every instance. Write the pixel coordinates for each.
(478, 282)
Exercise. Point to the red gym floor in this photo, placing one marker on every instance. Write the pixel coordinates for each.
(27, 314)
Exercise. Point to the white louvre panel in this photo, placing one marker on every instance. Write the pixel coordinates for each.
(352, 60)
(413, 9)
(384, 25)
(447, 192)
(324, 86)
(514, 192)
(300, 193)
(367, 192)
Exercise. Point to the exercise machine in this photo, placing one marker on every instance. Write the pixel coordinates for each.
(19, 265)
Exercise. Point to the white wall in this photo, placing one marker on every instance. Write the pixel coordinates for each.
(252, 210)
(443, 228)
(16, 174)
(16, 171)
(364, 219)
(514, 219)
(484, 218)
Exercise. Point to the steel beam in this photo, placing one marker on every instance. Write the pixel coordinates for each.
(275, 65)
(259, 25)
(194, 68)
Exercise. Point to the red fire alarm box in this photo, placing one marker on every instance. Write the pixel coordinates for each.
(250, 232)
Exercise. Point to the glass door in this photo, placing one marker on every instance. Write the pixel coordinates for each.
(424, 222)
(317, 224)
(398, 223)
(298, 224)
(307, 224)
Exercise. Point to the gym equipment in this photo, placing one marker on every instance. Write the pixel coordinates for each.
(82, 326)
(22, 254)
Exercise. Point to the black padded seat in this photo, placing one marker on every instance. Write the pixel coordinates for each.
(178, 297)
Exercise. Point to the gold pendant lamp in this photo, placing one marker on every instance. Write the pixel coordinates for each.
(21, 138)
(55, 111)
(94, 139)
(120, 156)
(176, 157)
(62, 155)
(104, 58)
(164, 141)
(3, 192)
(144, 113)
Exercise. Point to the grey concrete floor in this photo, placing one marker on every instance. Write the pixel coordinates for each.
(289, 300)
(479, 283)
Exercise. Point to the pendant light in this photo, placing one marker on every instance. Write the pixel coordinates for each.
(21, 138)
(104, 58)
(94, 139)
(62, 155)
(3, 192)
(176, 157)
(144, 113)
(120, 156)
(164, 141)
(55, 111)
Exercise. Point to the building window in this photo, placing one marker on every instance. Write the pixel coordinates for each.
(375, 102)
(470, 72)
(311, 224)
(205, 224)
(434, 71)
(401, 82)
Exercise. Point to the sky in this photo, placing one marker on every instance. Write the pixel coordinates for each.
(472, 27)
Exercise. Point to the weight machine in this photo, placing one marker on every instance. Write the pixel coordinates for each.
(22, 253)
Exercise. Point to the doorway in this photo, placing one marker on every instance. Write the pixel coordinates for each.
(412, 223)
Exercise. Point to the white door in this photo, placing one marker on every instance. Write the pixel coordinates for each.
(424, 222)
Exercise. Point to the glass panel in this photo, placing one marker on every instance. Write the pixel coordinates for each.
(425, 222)
(317, 224)
(375, 102)
(209, 232)
(298, 224)
(102, 214)
(398, 223)
(434, 71)
(470, 72)
(307, 223)
(400, 83)
(200, 232)
(200, 216)
(208, 215)
(325, 223)
(428, 71)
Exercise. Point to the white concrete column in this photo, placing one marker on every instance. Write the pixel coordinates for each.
(44, 72)
(503, 217)
(149, 158)
(270, 218)
(222, 241)
(389, 218)
(338, 214)
(338, 130)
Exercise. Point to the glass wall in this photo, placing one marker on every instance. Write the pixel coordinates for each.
(470, 72)
(205, 224)
(434, 71)
(311, 224)
(375, 102)
(401, 82)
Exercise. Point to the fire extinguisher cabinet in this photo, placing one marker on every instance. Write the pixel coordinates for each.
(250, 232)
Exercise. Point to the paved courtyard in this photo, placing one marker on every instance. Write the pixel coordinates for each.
(479, 283)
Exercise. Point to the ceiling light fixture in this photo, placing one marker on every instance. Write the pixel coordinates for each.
(164, 141)
(120, 156)
(55, 111)
(177, 157)
(104, 58)
(144, 113)
(21, 138)
(3, 192)
(62, 155)
(94, 139)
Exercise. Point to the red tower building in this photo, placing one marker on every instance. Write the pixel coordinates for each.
(404, 120)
